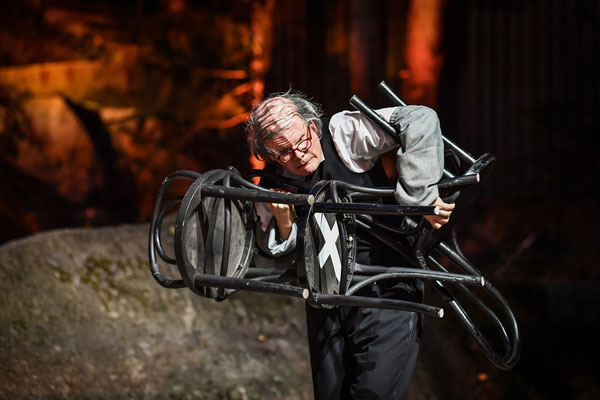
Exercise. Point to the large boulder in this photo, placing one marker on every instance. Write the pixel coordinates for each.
(83, 318)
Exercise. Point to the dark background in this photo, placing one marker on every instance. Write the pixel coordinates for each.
(99, 101)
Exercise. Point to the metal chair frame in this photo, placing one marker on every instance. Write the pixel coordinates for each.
(214, 243)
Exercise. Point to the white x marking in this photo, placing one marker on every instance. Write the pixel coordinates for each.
(330, 234)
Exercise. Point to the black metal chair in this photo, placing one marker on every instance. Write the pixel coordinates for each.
(216, 254)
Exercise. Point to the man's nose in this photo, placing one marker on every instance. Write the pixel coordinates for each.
(299, 153)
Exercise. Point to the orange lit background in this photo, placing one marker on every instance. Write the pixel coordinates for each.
(100, 101)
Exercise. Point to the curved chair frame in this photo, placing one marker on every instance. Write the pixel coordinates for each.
(215, 243)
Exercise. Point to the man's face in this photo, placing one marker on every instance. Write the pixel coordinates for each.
(301, 163)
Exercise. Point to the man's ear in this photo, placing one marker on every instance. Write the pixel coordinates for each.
(314, 129)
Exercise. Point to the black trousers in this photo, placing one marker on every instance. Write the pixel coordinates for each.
(365, 353)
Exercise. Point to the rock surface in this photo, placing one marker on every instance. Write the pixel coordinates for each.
(82, 318)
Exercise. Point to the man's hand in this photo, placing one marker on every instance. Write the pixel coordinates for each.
(285, 215)
(443, 217)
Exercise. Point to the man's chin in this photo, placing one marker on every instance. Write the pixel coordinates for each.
(305, 169)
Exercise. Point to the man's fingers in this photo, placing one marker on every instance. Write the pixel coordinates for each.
(277, 206)
(443, 206)
(446, 206)
(437, 221)
(274, 207)
(444, 213)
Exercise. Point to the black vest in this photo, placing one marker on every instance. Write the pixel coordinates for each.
(333, 168)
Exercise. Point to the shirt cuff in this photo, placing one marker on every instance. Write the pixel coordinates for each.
(277, 246)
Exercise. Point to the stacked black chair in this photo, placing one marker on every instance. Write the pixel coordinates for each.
(215, 252)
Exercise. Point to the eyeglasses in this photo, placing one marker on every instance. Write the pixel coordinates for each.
(303, 145)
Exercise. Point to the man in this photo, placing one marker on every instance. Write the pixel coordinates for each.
(355, 352)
